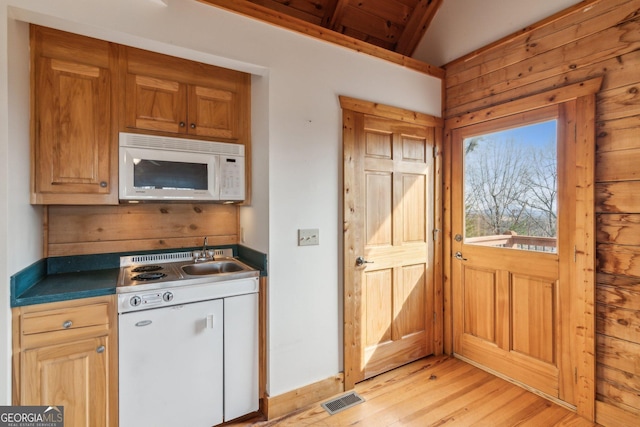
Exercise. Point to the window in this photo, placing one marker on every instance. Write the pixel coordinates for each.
(511, 187)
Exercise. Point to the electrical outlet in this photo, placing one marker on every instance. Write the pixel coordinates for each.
(308, 237)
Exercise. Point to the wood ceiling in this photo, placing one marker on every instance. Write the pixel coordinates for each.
(390, 29)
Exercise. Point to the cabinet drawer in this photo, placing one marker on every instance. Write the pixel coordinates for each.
(66, 318)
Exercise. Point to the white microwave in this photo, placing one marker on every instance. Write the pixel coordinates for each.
(176, 169)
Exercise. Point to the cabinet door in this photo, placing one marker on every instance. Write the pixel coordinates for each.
(73, 127)
(73, 375)
(212, 112)
(156, 104)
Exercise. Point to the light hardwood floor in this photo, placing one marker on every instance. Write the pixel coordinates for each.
(437, 391)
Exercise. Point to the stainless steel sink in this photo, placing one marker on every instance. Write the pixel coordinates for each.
(214, 267)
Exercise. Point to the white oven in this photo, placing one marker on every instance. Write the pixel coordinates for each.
(176, 169)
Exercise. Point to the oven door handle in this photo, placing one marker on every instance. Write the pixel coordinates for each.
(144, 323)
(210, 321)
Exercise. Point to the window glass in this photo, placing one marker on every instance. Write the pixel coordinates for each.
(511, 188)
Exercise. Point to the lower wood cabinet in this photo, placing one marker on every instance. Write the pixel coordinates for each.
(65, 354)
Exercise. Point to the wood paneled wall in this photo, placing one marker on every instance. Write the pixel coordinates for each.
(79, 230)
(594, 38)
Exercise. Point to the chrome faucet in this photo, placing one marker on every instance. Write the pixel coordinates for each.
(202, 255)
(204, 247)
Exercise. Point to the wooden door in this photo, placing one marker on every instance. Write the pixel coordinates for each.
(389, 249)
(156, 104)
(73, 137)
(511, 292)
(73, 375)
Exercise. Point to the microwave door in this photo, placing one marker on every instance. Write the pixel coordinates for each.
(148, 174)
(170, 175)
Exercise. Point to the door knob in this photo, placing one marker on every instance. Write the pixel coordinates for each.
(361, 261)
(458, 255)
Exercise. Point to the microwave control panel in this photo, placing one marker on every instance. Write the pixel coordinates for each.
(231, 178)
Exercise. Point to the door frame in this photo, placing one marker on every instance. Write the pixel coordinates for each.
(583, 279)
(351, 326)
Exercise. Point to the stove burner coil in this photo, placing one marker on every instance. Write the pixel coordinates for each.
(148, 276)
(146, 268)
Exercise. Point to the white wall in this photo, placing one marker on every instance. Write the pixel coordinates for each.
(297, 153)
(254, 219)
(462, 26)
(20, 223)
(5, 319)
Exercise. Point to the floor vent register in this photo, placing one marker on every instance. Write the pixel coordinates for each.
(341, 403)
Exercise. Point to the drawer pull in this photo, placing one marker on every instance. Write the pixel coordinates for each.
(100, 349)
(67, 324)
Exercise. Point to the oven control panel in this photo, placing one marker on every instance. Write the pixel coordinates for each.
(150, 300)
(183, 293)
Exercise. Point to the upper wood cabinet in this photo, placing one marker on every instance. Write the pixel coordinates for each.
(171, 95)
(84, 91)
(74, 134)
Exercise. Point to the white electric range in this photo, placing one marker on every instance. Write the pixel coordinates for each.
(188, 343)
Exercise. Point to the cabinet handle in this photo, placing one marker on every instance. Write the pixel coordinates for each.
(100, 349)
(67, 324)
(103, 184)
(193, 125)
(182, 124)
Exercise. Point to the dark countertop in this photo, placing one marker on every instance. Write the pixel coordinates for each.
(65, 278)
(66, 286)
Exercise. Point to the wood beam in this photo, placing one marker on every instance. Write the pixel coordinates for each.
(280, 7)
(332, 10)
(261, 13)
(419, 21)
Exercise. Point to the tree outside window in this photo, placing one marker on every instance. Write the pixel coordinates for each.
(511, 187)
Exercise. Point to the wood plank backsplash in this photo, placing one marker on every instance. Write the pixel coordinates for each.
(78, 230)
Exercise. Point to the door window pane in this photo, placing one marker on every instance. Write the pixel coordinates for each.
(511, 188)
